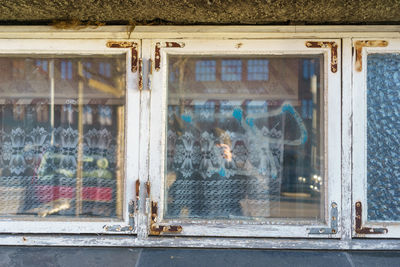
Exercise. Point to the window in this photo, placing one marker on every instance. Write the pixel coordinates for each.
(257, 70)
(205, 70)
(242, 152)
(63, 144)
(376, 139)
(250, 139)
(231, 70)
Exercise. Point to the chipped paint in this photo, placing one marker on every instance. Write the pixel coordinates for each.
(334, 54)
(366, 43)
(157, 53)
(134, 51)
(148, 188)
(359, 229)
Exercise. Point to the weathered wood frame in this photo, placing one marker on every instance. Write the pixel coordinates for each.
(25, 224)
(145, 34)
(332, 111)
(364, 47)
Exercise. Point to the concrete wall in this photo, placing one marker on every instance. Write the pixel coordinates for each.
(201, 11)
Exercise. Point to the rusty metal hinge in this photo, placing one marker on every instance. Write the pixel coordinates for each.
(157, 229)
(334, 54)
(334, 223)
(366, 43)
(359, 229)
(140, 83)
(127, 228)
(134, 51)
(157, 53)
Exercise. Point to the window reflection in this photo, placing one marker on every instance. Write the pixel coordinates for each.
(205, 70)
(231, 70)
(257, 70)
(248, 149)
(62, 132)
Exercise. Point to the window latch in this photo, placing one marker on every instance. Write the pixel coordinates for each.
(334, 224)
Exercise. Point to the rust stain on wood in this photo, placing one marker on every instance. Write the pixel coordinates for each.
(134, 51)
(334, 53)
(148, 188)
(137, 188)
(366, 43)
(156, 229)
(359, 229)
(157, 53)
(136, 202)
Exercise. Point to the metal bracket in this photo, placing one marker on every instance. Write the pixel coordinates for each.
(367, 43)
(334, 224)
(134, 51)
(156, 229)
(127, 228)
(140, 83)
(145, 67)
(157, 53)
(334, 54)
(359, 229)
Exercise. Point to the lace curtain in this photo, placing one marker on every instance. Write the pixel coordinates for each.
(225, 161)
(39, 165)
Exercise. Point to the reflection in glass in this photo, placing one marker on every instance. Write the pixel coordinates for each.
(383, 137)
(247, 145)
(62, 132)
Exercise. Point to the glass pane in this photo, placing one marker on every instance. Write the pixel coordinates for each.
(383, 137)
(62, 135)
(248, 142)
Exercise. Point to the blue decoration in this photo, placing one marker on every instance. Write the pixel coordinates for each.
(186, 118)
(237, 114)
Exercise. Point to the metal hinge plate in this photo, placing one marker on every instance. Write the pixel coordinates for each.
(334, 223)
(125, 228)
(157, 52)
(145, 74)
(158, 229)
(334, 53)
(134, 51)
(362, 230)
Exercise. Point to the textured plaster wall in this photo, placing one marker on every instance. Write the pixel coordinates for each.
(202, 11)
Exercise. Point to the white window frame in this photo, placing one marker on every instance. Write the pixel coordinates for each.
(332, 128)
(12, 38)
(388, 229)
(37, 47)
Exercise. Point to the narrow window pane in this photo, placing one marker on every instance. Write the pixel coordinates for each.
(231, 70)
(205, 70)
(251, 150)
(383, 137)
(62, 135)
(257, 70)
